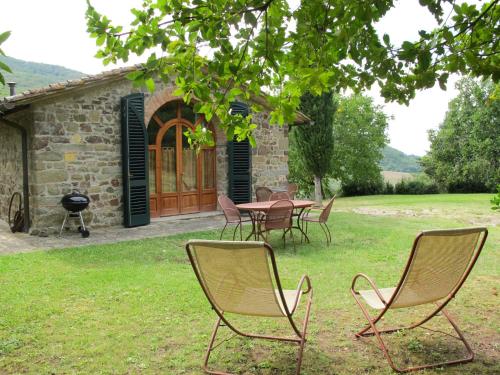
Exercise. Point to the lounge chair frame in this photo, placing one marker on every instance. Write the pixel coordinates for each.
(300, 334)
(372, 330)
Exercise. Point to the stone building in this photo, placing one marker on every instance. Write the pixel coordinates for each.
(75, 141)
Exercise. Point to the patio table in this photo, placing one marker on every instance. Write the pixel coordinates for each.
(255, 207)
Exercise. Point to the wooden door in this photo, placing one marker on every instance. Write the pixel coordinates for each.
(181, 180)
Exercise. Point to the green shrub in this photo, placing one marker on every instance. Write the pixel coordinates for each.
(495, 201)
(389, 188)
(419, 185)
(370, 187)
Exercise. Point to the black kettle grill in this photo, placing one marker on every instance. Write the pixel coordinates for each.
(74, 203)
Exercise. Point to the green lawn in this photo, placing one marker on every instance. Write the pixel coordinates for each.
(136, 307)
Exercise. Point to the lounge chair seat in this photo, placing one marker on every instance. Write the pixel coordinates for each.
(372, 299)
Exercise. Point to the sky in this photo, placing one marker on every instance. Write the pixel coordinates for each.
(54, 32)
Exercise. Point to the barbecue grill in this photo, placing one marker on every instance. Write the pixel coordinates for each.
(74, 203)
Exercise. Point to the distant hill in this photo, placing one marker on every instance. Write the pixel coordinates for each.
(30, 75)
(395, 160)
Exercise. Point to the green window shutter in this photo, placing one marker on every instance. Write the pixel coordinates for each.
(239, 163)
(134, 161)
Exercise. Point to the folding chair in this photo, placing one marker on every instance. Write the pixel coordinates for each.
(242, 278)
(439, 264)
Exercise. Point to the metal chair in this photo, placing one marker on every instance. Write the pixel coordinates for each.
(263, 193)
(322, 219)
(279, 195)
(292, 189)
(242, 278)
(279, 216)
(439, 264)
(232, 215)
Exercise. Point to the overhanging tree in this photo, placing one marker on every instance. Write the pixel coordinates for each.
(313, 143)
(3, 37)
(334, 45)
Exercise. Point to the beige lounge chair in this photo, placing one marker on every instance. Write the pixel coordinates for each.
(439, 263)
(242, 278)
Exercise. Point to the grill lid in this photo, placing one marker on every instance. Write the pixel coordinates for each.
(75, 201)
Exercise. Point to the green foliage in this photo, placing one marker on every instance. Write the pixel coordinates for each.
(30, 75)
(465, 151)
(312, 143)
(359, 136)
(3, 37)
(316, 47)
(419, 185)
(315, 141)
(495, 201)
(395, 160)
(371, 186)
(200, 136)
(388, 188)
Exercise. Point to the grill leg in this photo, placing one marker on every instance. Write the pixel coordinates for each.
(64, 223)
(81, 220)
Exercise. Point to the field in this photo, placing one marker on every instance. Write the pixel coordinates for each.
(136, 307)
(395, 177)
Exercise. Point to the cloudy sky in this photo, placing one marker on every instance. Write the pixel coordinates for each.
(53, 32)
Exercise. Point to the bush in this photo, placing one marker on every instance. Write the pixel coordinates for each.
(495, 201)
(363, 188)
(467, 187)
(416, 186)
(389, 188)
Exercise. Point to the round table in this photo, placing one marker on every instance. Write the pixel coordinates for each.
(255, 207)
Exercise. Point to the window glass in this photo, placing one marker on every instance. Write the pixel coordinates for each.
(208, 168)
(152, 171)
(189, 165)
(153, 129)
(168, 111)
(168, 159)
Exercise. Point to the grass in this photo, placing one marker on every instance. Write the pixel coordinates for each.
(135, 307)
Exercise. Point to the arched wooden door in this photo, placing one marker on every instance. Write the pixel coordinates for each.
(180, 181)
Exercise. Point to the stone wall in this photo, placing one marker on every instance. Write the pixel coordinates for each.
(270, 157)
(11, 171)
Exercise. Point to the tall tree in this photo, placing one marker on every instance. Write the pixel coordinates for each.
(465, 151)
(3, 37)
(359, 136)
(318, 46)
(314, 142)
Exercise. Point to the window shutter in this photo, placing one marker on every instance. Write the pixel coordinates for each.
(134, 161)
(240, 163)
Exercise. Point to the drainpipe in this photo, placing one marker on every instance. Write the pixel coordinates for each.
(24, 151)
